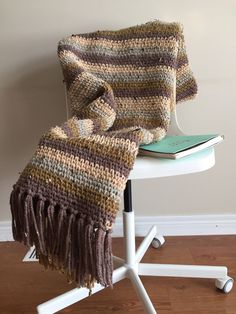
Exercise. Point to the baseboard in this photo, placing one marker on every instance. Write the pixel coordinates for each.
(167, 225)
(182, 225)
(5, 231)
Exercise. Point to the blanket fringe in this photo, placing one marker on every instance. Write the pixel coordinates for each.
(64, 238)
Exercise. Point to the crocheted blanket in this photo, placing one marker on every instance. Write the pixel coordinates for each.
(122, 86)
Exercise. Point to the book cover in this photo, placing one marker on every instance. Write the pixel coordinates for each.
(179, 146)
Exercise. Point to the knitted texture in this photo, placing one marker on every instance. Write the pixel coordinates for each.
(122, 86)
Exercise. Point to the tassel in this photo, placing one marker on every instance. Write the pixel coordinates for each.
(68, 250)
(55, 229)
(81, 265)
(61, 236)
(17, 212)
(50, 232)
(74, 247)
(43, 260)
(33, 228)
(14, 212)
(40, 217)
(35, 234)
(27, 204)
(89, 254)
(108, 258)
(20, 214)
(99, 239)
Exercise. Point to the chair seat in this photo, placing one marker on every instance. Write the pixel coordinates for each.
(150, 167)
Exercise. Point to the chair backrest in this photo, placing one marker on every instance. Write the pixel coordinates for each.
(174, 128)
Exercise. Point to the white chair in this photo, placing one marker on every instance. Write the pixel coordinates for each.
(130, 267)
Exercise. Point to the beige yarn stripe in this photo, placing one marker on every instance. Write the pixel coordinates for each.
(122, 68)
(105, 141)
(129, 43)
(78, 163)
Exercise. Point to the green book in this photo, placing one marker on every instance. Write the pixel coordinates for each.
(175, 147)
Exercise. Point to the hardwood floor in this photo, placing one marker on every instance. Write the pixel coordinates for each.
(25, 285)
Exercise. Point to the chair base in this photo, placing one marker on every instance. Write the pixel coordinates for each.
(131, 268)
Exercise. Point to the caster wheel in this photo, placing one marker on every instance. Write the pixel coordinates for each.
(225, 284)
(158, 241)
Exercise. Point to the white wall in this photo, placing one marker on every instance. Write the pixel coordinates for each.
(32, 100)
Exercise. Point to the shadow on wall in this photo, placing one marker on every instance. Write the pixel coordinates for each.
(32, 102)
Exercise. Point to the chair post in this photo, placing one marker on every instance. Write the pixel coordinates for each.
(129, 226)
(128, 197)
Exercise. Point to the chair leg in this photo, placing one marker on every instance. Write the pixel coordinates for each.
(66, 299)
(141, 292)
(186, 271)
(118, 261)
(145, 244)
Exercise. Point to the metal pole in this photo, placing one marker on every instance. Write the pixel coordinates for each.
(128, 197)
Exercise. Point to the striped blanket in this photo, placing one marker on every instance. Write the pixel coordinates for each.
(122, 86)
